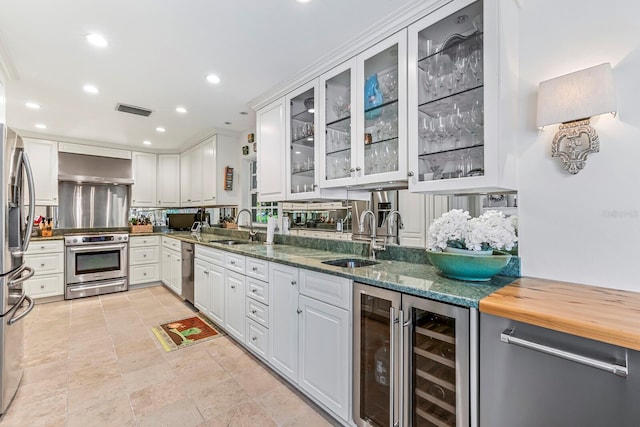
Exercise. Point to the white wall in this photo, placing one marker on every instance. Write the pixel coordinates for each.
(582, 228)
(229, 153)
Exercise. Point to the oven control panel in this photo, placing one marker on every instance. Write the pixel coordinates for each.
(95, 239)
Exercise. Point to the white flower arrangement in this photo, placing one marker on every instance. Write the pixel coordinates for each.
(456, 228)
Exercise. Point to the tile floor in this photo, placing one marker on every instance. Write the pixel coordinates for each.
(94, 362)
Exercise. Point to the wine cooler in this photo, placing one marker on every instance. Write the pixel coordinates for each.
(411, 361)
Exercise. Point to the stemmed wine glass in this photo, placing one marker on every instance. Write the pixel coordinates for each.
(461, 61)
(475, 63)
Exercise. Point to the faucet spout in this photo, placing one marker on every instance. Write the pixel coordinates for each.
(389, 221)
(373, 245)
(252, 233)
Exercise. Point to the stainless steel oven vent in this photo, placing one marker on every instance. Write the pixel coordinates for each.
(132, 109)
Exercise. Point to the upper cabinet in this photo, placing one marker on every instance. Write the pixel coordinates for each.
(198, 175)
(209, 171)
(462, 93)
(43, 156)
(272, 144)
(168, 180)
(143, 191)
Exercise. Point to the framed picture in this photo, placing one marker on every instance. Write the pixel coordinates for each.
(250, 138)
(245, 150)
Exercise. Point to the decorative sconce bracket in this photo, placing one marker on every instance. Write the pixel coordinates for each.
(573, 143)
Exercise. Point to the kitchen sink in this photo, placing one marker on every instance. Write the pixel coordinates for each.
(350, 262)
(230, 242)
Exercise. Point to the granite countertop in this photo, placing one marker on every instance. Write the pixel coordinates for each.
(421, 280)
(601, 314)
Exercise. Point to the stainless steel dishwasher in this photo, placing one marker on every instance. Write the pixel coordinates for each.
(187, 271)
(532, 377)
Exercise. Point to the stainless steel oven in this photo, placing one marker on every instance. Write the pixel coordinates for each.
(96, 264)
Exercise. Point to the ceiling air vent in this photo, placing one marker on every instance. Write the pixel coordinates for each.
(131, 109)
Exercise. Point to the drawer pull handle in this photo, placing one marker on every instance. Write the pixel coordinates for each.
(254, 338)
(507, 337)
(254, 311)
(254, 268)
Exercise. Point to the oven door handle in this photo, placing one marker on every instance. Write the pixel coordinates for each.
(95, 248)
(83, 287)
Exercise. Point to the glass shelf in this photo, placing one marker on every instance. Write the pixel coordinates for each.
(463, 100)
(473, 42)
(381, 141)
(451, 150)
(304, 172)
(342, 125)
(452, 164)
(384, 104)
(342, 150)
(304, 116)
(304, 141)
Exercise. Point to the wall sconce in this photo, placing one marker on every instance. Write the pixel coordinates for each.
(572, 100)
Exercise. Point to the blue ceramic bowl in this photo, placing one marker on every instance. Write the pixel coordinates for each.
(469, 267)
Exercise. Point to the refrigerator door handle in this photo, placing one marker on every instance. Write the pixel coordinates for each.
(23, 161)
(30, 272)
(392, 364)
(14, 318)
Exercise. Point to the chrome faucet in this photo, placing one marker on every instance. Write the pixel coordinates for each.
(373, 246)
(389, 221)
(252, 234)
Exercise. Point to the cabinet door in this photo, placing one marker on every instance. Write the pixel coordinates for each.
(43, 156)
(168, 180)
(201, 286)
(324, 354)
(272, 146)
(217, 289)
(176, 272)
(283, 319)
(413, 209)
(209, 172)
(143, 191)
(185, 179)
(234, 306)
(461, 90)
(336, 159)
(165, 272)
(381, 137)
(195, 163)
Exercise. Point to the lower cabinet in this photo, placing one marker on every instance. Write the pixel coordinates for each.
(283, 319)
(234, 305)
(47, 260)
(209, 283)
(171, 260)
(144, 259)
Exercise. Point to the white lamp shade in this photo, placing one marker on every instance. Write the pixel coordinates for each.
(580, 95)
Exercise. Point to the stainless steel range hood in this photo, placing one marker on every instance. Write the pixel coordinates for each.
(81, 168)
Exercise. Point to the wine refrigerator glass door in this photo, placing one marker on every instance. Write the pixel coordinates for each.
(375, 370)
(437, 361)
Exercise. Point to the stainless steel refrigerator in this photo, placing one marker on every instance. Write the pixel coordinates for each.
(17, 220)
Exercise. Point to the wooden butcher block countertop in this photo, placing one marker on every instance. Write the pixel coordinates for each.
(601, 314)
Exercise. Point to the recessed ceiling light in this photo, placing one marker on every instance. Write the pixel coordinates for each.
(41, 126)
(32, 105)
(160, 129)
(212, 78)
(90, 89)
(303, 1)
(146, 142)
(97, 40)
(244, 113)
(181, 110)
(227, 123)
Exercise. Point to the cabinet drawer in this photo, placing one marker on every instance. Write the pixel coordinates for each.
(257, 312)
(46, 263)
(144, 273)
(45, 286)
(234, 262)
(144, 255)
(258, 290)
(257, 339)
(214, 256)
(42, 247)
(257, 268)
(144, 241)
(333, 290)
(171, 243)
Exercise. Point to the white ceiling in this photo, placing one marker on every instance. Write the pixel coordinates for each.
(159, 53)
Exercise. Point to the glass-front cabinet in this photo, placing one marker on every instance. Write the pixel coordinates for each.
(461, 115)
(364, 117)
(303, 155)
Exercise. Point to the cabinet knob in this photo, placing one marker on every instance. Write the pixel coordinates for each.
(254, 311)
(206, 272)
(55, 198)
(144, 255)
(410, 174)
(233, 286)
(254, 338)
(42, 265)
(144, 274)
(358, 169)
(41, 286)
(42, 247)
(254, 290)
(352, 170)
(293, 282)
(232, 262)
(299, 311)
(254, 268)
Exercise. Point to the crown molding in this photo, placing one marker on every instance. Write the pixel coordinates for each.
(376, 32)
(7, 67)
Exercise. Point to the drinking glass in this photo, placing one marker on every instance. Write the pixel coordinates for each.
(461, 61)
(475, 64)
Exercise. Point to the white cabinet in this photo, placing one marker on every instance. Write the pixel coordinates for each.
(43, 156)
(283, 320)
(47, 260)
(143, 191)
(198, 175)
(201, 285)
(171, 272)
(234, 305)
(144, 259)
(412, 207)
(168, 180)
(209, 283)
(462, 99)
(272, 146)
